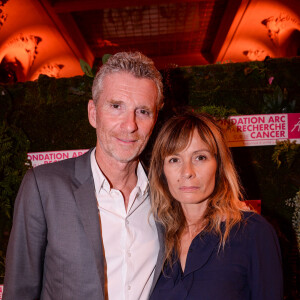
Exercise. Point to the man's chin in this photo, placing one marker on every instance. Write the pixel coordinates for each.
(126, 158)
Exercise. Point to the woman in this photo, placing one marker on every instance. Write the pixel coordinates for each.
(215, 248)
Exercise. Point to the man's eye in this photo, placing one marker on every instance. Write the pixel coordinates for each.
(144, 112)
(115, 106)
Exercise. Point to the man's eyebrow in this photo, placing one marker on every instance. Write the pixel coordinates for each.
(144, 107)
(112, 101)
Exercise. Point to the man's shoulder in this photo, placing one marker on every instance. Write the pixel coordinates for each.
(64, 166)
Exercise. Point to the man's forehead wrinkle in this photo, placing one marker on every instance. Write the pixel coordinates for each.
(128, 91)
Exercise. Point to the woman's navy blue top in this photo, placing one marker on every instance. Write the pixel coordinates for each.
(249, 267)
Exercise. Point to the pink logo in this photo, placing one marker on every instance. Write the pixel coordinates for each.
(294, 126)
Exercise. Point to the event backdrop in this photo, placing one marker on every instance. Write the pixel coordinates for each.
(51, 115)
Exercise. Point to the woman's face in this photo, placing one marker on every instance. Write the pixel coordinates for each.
(191, 173)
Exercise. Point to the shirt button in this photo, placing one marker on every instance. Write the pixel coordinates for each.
(129, 287)
(127, 222)
(129, 254)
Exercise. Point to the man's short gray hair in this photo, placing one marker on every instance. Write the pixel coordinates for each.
(134, 63)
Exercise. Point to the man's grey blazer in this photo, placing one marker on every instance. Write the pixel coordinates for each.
(55, 248)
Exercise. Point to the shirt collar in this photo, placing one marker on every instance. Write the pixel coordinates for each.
(100, 180)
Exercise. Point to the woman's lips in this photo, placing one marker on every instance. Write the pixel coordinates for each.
(188, 188)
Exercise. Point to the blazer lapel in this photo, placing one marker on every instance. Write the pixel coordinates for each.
(88, 210)
(205, 247)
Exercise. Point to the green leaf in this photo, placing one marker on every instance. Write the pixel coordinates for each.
(105, 58)
(285, 151)
(86, 68)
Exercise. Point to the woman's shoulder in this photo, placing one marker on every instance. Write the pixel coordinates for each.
(253, 218)
(256, 224)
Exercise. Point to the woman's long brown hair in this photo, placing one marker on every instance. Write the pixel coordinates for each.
(224, 205)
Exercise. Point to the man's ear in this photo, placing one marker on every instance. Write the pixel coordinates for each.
(161, 106)
(92, 113)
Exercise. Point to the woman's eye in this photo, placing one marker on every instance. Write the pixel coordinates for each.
(201, 157)
(173, 160)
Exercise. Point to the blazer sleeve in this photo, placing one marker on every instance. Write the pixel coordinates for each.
(265, 278)
(27, 244)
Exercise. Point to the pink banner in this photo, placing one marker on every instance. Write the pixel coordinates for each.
(259, 130)
(40, 158)
(250, 130)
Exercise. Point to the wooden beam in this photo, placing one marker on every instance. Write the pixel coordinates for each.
(77, 38)
(79, 5)
(70, 33)
(232, 18)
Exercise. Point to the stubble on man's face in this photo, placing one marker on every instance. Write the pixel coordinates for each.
(124, 117)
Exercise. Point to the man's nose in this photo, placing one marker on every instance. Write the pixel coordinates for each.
(130, 123)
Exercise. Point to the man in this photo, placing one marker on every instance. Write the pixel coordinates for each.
(82, 228)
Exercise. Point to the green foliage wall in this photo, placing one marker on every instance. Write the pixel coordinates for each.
(51, 112)
(52, 115)
(13, 165)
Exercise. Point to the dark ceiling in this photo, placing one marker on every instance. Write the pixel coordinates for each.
(52, 36)
(160, 29)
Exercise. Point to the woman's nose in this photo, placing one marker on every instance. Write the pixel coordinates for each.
(188, 170)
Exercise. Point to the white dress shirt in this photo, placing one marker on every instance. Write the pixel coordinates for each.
(130, 239)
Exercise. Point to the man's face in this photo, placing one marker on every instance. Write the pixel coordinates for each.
(124, 116)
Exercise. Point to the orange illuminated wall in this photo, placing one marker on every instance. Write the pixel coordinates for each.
(31, 44)
(261, 28)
